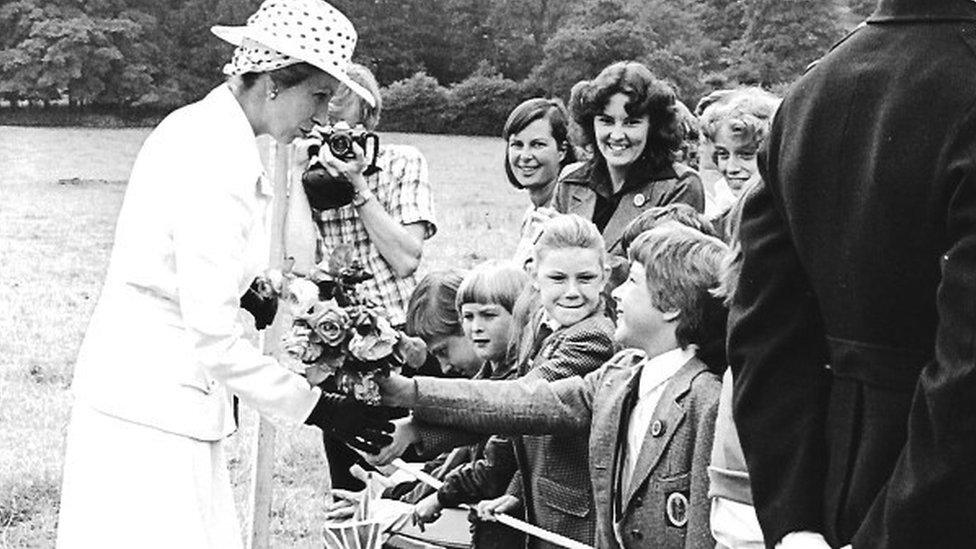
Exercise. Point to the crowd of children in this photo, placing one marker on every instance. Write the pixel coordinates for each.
(595, 405)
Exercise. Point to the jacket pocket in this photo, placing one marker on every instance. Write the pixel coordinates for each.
(673, 496)
(571, 501)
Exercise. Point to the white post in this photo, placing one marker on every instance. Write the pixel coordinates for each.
(259, 536)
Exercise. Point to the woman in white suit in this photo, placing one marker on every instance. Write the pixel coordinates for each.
(164, 350)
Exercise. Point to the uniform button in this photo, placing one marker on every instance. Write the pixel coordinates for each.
(657, 428)
(637, 534)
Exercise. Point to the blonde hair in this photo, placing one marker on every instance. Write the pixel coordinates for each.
(369, 115)
(492, 282)
(747, 112)
(569, 231)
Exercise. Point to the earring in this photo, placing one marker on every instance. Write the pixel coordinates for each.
(273, 93)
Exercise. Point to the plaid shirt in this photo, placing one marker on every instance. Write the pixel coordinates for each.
(402, 187)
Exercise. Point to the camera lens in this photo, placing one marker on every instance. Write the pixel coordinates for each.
(341, 145)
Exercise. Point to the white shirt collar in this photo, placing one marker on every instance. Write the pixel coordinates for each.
(658, 370)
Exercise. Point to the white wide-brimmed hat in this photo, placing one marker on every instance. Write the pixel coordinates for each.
(307, 30)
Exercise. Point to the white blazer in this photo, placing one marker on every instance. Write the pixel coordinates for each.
(165, 344)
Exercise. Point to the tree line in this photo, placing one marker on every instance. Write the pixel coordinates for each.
(438, 60)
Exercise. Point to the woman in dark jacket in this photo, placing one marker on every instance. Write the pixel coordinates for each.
(629, 120)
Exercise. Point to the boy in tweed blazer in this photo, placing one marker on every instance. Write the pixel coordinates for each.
(649, 411)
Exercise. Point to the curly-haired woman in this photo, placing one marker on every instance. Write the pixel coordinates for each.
(629, 120)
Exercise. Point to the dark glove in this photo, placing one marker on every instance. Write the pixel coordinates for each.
(262, 307)
(346, 419)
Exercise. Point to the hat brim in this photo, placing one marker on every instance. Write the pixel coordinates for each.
(236, 36)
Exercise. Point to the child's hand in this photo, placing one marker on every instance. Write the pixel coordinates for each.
(396, 390)
(427, 510)
(343, 505)
(404, 435)
(412, 350)
(488, 508)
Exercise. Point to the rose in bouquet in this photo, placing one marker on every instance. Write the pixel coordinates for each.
(337, 333)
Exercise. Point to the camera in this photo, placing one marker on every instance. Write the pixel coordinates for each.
(340, 139)
(325, 191)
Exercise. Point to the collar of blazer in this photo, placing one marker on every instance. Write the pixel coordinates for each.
(532, 352)
(585, 183)
(670, 413)
(924, 10)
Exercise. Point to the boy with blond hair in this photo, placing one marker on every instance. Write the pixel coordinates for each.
(649, 412)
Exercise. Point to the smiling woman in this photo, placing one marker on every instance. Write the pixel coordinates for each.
(538, 148)
(629, 120)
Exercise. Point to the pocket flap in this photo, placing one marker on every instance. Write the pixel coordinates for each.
(572, 501)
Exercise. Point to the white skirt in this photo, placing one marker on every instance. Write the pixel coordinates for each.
(130, 485)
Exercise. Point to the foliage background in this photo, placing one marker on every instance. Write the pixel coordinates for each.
(447, 66)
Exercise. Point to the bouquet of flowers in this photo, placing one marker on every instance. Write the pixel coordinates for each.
(336, 331)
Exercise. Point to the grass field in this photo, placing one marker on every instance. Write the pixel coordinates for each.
(60, 191)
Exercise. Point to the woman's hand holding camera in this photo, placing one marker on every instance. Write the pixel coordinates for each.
(350, 168)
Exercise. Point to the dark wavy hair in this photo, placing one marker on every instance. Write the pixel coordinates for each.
(552, 110)
(285, 77)
(646, 95)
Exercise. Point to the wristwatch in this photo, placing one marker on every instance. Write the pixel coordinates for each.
(361, 197)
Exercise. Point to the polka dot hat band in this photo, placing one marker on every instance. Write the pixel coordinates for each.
(285, 32)
(251, 56)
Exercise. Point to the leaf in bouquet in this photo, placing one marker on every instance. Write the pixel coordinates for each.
(384, 327)
(368, 391)
(334, 358)
(312, 352)
(328, 289)
(355, 273)
(318, 372)
(296, 341)
(371, 347)
(363, 321)
(342, 256)
(301, 295)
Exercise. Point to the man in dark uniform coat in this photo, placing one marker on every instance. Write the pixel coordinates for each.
(853, 330)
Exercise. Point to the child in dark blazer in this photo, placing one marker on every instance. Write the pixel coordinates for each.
(649, 411)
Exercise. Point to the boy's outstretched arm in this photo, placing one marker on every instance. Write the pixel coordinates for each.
(531, 406)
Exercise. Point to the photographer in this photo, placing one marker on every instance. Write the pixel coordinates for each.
(383, 214)
(387, 215)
